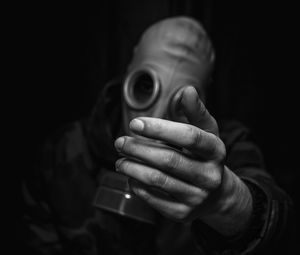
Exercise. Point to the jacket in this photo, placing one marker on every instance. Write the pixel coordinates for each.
(60, 218)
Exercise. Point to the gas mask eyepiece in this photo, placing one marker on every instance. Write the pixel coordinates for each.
(141, 89)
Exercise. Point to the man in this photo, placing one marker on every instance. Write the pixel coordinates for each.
(196, 186)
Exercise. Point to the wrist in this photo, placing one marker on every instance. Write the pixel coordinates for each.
(242, 242)
(233, 208)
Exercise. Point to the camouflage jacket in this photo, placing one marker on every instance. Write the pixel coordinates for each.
(60, 217)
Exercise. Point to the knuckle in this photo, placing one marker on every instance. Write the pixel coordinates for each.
(220, 150)
(158, 179)
(197, 199)
(215, 180)
(209, 178)
(158, 127)
(172, 160)
(213, 127)
(142, 193)
(181, 214)
(202, 108)
(196, 138)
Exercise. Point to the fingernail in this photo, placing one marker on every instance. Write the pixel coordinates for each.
(119, 143)
(191, 89)
(187, 91)
(137, 125)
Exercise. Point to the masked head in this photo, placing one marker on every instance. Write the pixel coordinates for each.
(171, 54)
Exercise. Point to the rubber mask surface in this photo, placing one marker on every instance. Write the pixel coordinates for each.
(171, 54)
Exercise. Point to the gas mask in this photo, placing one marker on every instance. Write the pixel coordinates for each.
(171, 54)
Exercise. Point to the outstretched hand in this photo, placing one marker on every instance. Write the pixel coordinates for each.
(178, 168)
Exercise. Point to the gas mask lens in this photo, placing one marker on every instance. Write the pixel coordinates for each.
(141, 89)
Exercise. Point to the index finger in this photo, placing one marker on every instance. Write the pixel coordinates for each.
(182, 135)
(196, 112)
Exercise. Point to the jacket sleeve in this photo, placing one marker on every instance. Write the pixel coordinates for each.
(272, 207)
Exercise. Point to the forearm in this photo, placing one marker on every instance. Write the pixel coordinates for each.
(233, 211)
(269, 221)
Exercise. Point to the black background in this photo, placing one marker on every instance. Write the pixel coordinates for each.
(65, 59)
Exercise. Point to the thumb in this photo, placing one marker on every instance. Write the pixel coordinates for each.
(196, 112)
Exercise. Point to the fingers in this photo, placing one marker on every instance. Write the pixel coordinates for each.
(162, 203)
(196, 112)
(182, 135)
(204, 175)
(181, 191)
